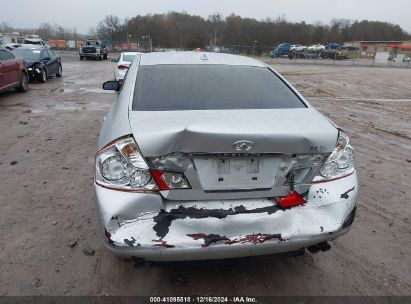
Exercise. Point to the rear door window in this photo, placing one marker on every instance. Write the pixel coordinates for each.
(210, 87)
(4, 55)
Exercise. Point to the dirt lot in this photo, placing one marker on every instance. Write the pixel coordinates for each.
(48, 217)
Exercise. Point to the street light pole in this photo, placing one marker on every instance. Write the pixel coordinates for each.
(255, 42)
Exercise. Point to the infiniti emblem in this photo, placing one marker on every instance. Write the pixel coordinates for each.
(243, 145)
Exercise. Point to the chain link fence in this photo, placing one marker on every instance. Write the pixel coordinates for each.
(344, 56)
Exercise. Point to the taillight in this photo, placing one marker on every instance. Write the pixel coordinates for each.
(341, 161)
(169, 180)
(121, 166)
(122, 67)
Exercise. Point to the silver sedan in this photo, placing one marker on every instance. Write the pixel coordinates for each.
(209, 156)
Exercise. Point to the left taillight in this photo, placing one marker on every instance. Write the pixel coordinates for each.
(122, 67)
(121, 166)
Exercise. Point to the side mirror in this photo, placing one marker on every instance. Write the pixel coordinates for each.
(114, 60)
(111, 85)
(46, 59)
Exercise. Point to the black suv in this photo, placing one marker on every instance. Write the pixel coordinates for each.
(93, 48)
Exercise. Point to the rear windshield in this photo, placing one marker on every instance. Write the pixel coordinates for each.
(210, 87)
(128, 58)
(29, 54)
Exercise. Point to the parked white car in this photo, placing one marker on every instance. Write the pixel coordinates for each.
(316, 47)
(297, 47)
(123, 63)
(401, 58)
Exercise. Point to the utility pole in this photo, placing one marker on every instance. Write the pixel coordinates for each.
(215, 41)
(255, 42)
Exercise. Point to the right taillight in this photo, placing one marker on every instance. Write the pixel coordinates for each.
(341, 161)
(121, 166)
(170, 180)
(122, 67)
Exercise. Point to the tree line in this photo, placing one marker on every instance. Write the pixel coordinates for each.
(182, 30)
(46, 31)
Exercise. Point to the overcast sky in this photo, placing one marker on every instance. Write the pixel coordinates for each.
(84, 14)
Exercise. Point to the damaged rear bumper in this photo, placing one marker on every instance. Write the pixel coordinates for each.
(144, 225)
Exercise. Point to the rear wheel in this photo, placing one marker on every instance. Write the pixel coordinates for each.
(60, 71)
(24, 83)
(43, 76)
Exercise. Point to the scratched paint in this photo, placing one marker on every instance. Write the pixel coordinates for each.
(233, 223)
(345, 194)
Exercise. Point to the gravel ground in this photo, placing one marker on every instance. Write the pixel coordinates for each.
(48, 226)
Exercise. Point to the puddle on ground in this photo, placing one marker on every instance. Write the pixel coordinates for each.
(78, 106)
(87, 90)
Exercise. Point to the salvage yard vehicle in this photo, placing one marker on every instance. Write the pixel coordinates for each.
(209, 156)
(41, 62)
(336, 54)
(13, 73)
(316, 47)
(282, 50)
(123, 63)
(34, 39)
(297, 47)
(93, 48)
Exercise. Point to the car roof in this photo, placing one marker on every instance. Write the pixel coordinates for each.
(33, 47)
(162, 58)
(131, 53)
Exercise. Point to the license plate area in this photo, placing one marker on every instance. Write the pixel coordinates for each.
(237, 173)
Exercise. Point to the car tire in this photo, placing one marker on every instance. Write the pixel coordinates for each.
(60, 71)
(81, 57)
(24, 83)
(43, 76)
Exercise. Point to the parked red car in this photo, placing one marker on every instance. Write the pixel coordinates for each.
(13, 73)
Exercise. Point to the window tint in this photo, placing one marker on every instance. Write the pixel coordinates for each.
(30, 54)
(46, 54)
(128, 58)
(52, 54)
(4, 55)
(210, 87)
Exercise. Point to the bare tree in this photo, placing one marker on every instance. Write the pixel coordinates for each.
(5, 27)
(45, 31)
(109, 26)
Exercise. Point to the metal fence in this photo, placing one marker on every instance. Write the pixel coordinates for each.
(378, 59)
(119, 46)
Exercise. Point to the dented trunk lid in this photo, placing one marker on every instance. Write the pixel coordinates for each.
(290, 131)
(201, 145)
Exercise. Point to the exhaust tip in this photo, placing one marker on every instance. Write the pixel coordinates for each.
(314, 249)
(324, 246)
